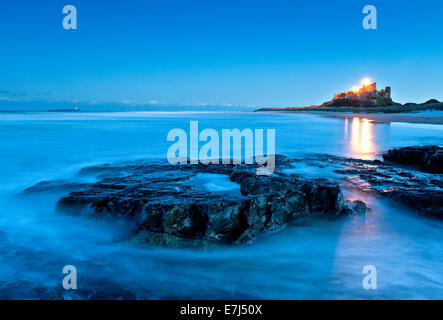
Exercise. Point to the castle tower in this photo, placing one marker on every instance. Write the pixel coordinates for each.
(369, 87)
(388, 91)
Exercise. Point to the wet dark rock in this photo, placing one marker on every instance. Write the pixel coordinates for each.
(430, 158)
(92, 289)
(99, 289)
(168, 209)
(420, 191)
(357, 206)
(57, 185)
(427, 202)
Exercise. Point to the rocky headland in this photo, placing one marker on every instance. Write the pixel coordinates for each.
(359, 106)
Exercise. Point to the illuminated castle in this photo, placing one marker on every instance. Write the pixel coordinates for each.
(367, 92)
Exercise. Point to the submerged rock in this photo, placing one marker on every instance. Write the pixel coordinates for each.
(168, 209)
(430, 158)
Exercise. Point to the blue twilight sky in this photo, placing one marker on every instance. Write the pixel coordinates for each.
(239, 52)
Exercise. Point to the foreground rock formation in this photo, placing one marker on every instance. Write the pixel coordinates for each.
(169, 205)
(420, 191)
(429, 158)
(169, 209)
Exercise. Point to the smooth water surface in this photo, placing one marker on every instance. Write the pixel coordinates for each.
(315, 258)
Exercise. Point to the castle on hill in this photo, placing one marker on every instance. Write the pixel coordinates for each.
(367, 92)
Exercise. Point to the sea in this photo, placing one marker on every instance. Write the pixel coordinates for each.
(313, 258)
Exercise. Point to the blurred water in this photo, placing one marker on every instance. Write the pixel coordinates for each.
(313, 259)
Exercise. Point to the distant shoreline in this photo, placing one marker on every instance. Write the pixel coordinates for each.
(376, 117)
(384, 117)
(388, 109)
(394, 113)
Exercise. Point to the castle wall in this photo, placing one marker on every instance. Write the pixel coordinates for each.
(368, 91)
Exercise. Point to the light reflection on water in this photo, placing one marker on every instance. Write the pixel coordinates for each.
(361, 144)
